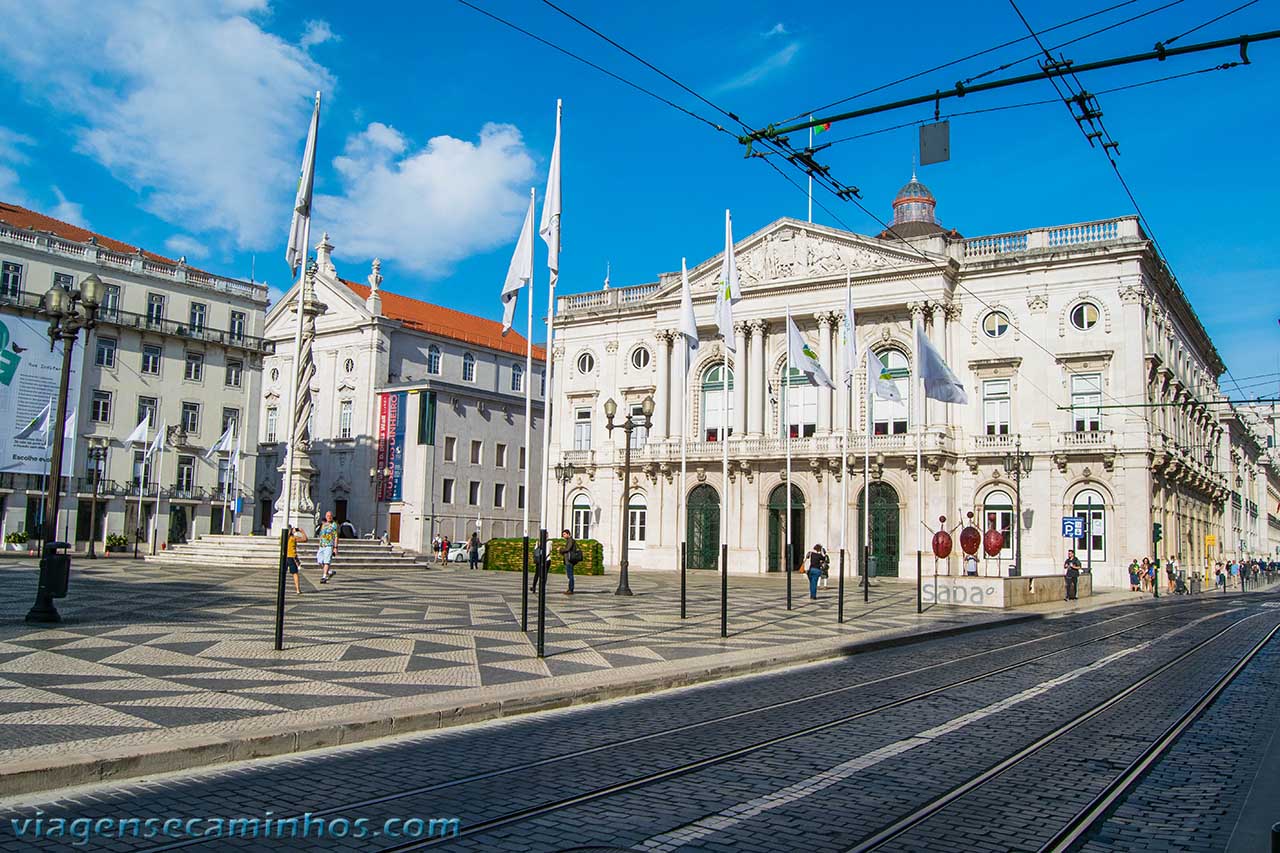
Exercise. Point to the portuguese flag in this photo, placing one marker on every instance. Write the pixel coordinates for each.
(822, 128)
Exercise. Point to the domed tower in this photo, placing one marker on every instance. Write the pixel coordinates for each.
(913, 212)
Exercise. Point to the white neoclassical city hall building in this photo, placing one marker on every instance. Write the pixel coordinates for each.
(1051, 330)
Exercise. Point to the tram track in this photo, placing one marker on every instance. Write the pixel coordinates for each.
(1087, 637)
(1100, 805)
(520, 815)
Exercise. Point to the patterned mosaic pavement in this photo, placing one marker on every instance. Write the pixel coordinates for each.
(150, 653)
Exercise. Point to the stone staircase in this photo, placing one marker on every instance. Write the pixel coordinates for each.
(353, 554)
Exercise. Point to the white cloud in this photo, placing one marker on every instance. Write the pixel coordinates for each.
(11, 155)
(427, 207)
(778, 29)
(68, 211)
(317, 32)
(187, 247)
(766, 67)
(192, 104)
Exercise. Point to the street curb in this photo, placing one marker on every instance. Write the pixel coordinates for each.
(34, 776)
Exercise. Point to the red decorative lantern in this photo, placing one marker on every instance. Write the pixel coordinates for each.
(970, 538)
(993, 542)
(942, 544)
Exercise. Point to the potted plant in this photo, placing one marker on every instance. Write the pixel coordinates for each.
(116, 543)
(14, 540)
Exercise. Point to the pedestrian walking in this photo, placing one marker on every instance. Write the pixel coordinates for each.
(1133, 576)
(1171, 572)
(816, 558)
(1071, 571)
(473, 550)
(291, 556)
(328, 547)
(826, 570)
(444, 549)
(572, 556)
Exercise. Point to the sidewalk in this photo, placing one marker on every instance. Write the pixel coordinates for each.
(156, 668)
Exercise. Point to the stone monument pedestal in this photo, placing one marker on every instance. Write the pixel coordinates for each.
(303, 511)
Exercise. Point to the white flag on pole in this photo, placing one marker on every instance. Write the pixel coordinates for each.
(939, 382)
(520, 271)
(158, 443)
(39, 424)
(688, 322)
(297, 250)
(848, 339)
(879, 382)
(803, 358)
(549, 227)
(225, 442)
(730, 292)
(139, 434)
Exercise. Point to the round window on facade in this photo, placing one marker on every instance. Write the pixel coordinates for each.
(1084, 316)
(586, 363)
(275, 374)
(640, 358)
(995, 324)
(349, 365)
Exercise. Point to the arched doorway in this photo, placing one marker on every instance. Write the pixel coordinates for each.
(778, 530)
(884, 527)
(703, 549)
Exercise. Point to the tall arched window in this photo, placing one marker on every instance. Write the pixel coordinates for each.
(433, 360)
(714, 391)
(637, 520)
(468, 367)
(801, 401)
(517, 377)
(581, 524)
(997, 512)
(1090, 506)
(891, 417)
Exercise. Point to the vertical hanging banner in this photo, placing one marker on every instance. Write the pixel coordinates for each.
(391, 417)
(29, 376)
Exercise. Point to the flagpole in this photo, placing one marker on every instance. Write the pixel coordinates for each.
(866, 489)
(810, 186)
(142, 480)
(724, 503)
(849, 368)
(682, 521)
(786, 437)
(920, 427)
(528, 388)
(155, 517)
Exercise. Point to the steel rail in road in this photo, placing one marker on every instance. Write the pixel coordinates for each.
(1169, 611)
(521, 815)
(1098, 807)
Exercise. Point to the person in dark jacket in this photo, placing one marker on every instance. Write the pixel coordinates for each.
(817, 559)
(473, 550)
(1071, 569)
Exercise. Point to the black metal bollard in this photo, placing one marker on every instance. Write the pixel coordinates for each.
(524, 587)
(840, 592)
(684, 567)
(724, 590)
(284, 553)
(544, 572)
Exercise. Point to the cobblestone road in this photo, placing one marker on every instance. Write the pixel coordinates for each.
(816, 758)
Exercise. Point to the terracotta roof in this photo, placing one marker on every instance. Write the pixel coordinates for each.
(20, 217)
(448, 323)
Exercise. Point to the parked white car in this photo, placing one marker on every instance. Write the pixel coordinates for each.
(458, 552)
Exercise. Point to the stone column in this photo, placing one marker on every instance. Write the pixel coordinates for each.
(300, 509)
(663, 402)
(675, 379)
(826, 322)
(840, 416)
(758, 398)
(740, 377)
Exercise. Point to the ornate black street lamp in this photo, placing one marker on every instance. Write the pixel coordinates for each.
(68, 311)
(97, 453)
(1017, 463)
(564, 473)
(629, 423)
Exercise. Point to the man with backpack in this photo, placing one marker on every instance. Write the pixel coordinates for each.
(572, 556)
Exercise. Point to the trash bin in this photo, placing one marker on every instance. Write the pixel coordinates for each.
(55, 570)
(871, 567)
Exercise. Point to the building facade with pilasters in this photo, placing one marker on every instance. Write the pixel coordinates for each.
(1051, 330)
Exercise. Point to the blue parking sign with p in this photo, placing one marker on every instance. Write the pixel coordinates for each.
(1072, 527)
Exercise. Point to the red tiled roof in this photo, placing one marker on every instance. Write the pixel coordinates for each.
(448, 323)
(20, 217)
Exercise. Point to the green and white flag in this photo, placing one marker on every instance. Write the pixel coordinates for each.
(730, 292)
(520, 272)
(39, 424)
(688, 322)
(802, 357)
(879, 382)
(296, 253)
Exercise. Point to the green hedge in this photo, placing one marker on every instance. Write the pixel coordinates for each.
(507, 555)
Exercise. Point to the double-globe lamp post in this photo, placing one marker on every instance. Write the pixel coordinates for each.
(68, 311)
(629, 423)
(1017, 463)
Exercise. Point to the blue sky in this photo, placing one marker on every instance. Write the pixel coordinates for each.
(181, 129)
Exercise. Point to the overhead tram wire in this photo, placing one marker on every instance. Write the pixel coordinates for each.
(599, 68)
(952, 62)
(1198, 27)
(1036, 36)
